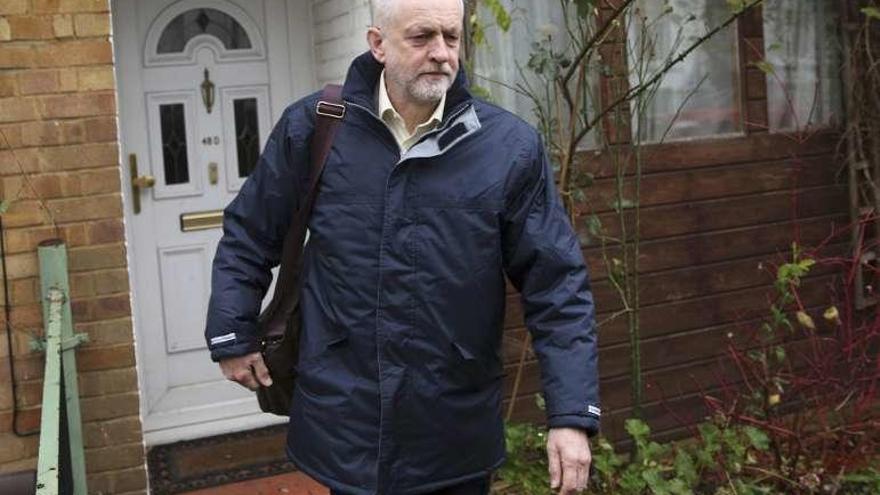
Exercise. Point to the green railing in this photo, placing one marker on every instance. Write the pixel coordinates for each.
(61, 463)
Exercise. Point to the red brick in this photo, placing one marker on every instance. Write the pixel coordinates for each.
(71, 6)
(109, 406)
(107, 381)
(122, 481)
(105, 358)
(105, 231)
(38, 81)
(24, 214)
(22, 265)
(77, 105)
(101, 129)
(17, 56)
(29, 393)
(101, 308)
(87, 208)
(13, 448)
(90, 258)
(30, 315)
(117, 431)
(115, 457)
(91, 24)
(25, 291)
(8, 85)
(17, 109)
(118, 331)
(111, 281)
(63, 25)
(28, 419)
(11, 7)
(16, 162)
(31, 27)
(82, 285)
(74, 235)
(78, 156)
(33, 187)
(95, 78)
(65, 53)
(52, 132)
(100, 181)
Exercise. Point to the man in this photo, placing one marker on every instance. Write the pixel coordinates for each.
(428, 198)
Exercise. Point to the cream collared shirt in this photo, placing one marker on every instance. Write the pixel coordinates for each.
(396, 123)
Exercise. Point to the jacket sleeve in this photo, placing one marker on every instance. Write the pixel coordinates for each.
(254, 226)
(543, 259)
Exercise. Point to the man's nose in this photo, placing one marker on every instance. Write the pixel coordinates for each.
(439, 52)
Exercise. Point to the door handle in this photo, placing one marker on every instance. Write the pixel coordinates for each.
(138, 182)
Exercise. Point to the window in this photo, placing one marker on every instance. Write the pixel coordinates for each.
(698, 97)
(803, 57)
(195, 22)
(502, 61)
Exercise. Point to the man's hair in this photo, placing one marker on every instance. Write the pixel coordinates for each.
(383, 11)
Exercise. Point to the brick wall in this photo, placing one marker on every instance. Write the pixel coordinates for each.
(340, 34)
(59, 160)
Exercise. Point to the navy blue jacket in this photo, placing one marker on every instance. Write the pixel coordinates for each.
(403, 300)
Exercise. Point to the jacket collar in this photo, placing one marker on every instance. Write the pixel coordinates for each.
(363, 78)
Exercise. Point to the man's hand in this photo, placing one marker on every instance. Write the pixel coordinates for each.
(568, 450)
(246, 370)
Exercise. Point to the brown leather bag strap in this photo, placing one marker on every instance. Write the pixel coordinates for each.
(329, 110)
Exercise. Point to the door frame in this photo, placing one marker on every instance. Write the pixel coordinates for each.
(291, 76)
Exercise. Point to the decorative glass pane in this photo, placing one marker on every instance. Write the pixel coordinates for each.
(174, 152)
(801, 48)
(247, 135)
(194, 22)
(698, 96)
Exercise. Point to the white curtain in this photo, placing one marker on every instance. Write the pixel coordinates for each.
(698, 96)
(501, 62)
(800, 44)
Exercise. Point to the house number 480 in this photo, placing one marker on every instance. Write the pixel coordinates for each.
(211, 140)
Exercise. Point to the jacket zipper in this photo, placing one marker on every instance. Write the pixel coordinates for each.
(401, 158)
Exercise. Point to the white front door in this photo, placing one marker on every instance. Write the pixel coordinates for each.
(201, 82)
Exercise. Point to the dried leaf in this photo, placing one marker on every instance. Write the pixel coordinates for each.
(805, 320)
(831, 314)
(872, 12)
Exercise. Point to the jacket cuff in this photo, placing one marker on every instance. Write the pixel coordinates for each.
(233, 348)
(587, 422)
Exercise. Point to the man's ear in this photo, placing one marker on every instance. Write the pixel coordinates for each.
(377, 43)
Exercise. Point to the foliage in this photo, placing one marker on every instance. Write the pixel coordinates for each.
(559, 79)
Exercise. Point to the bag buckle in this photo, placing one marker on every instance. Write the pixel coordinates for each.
(328, 109)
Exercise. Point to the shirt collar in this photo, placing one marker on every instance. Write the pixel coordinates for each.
(387, 110)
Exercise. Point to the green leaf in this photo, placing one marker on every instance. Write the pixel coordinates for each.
(685, 468)
(502, 17)
(736, 6)
(871, 12)
(584, 7)
(594, 225)
(757, 438)
(638, 429)
(765, 67)
(622, 204)
(4, 206)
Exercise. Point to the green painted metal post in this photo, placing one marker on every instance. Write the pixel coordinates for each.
(50, 428)
(55, 290)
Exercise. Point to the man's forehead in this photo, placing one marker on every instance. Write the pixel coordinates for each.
(444, 14)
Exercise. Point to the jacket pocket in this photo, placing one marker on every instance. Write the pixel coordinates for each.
(471, 370)
(333, 342)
